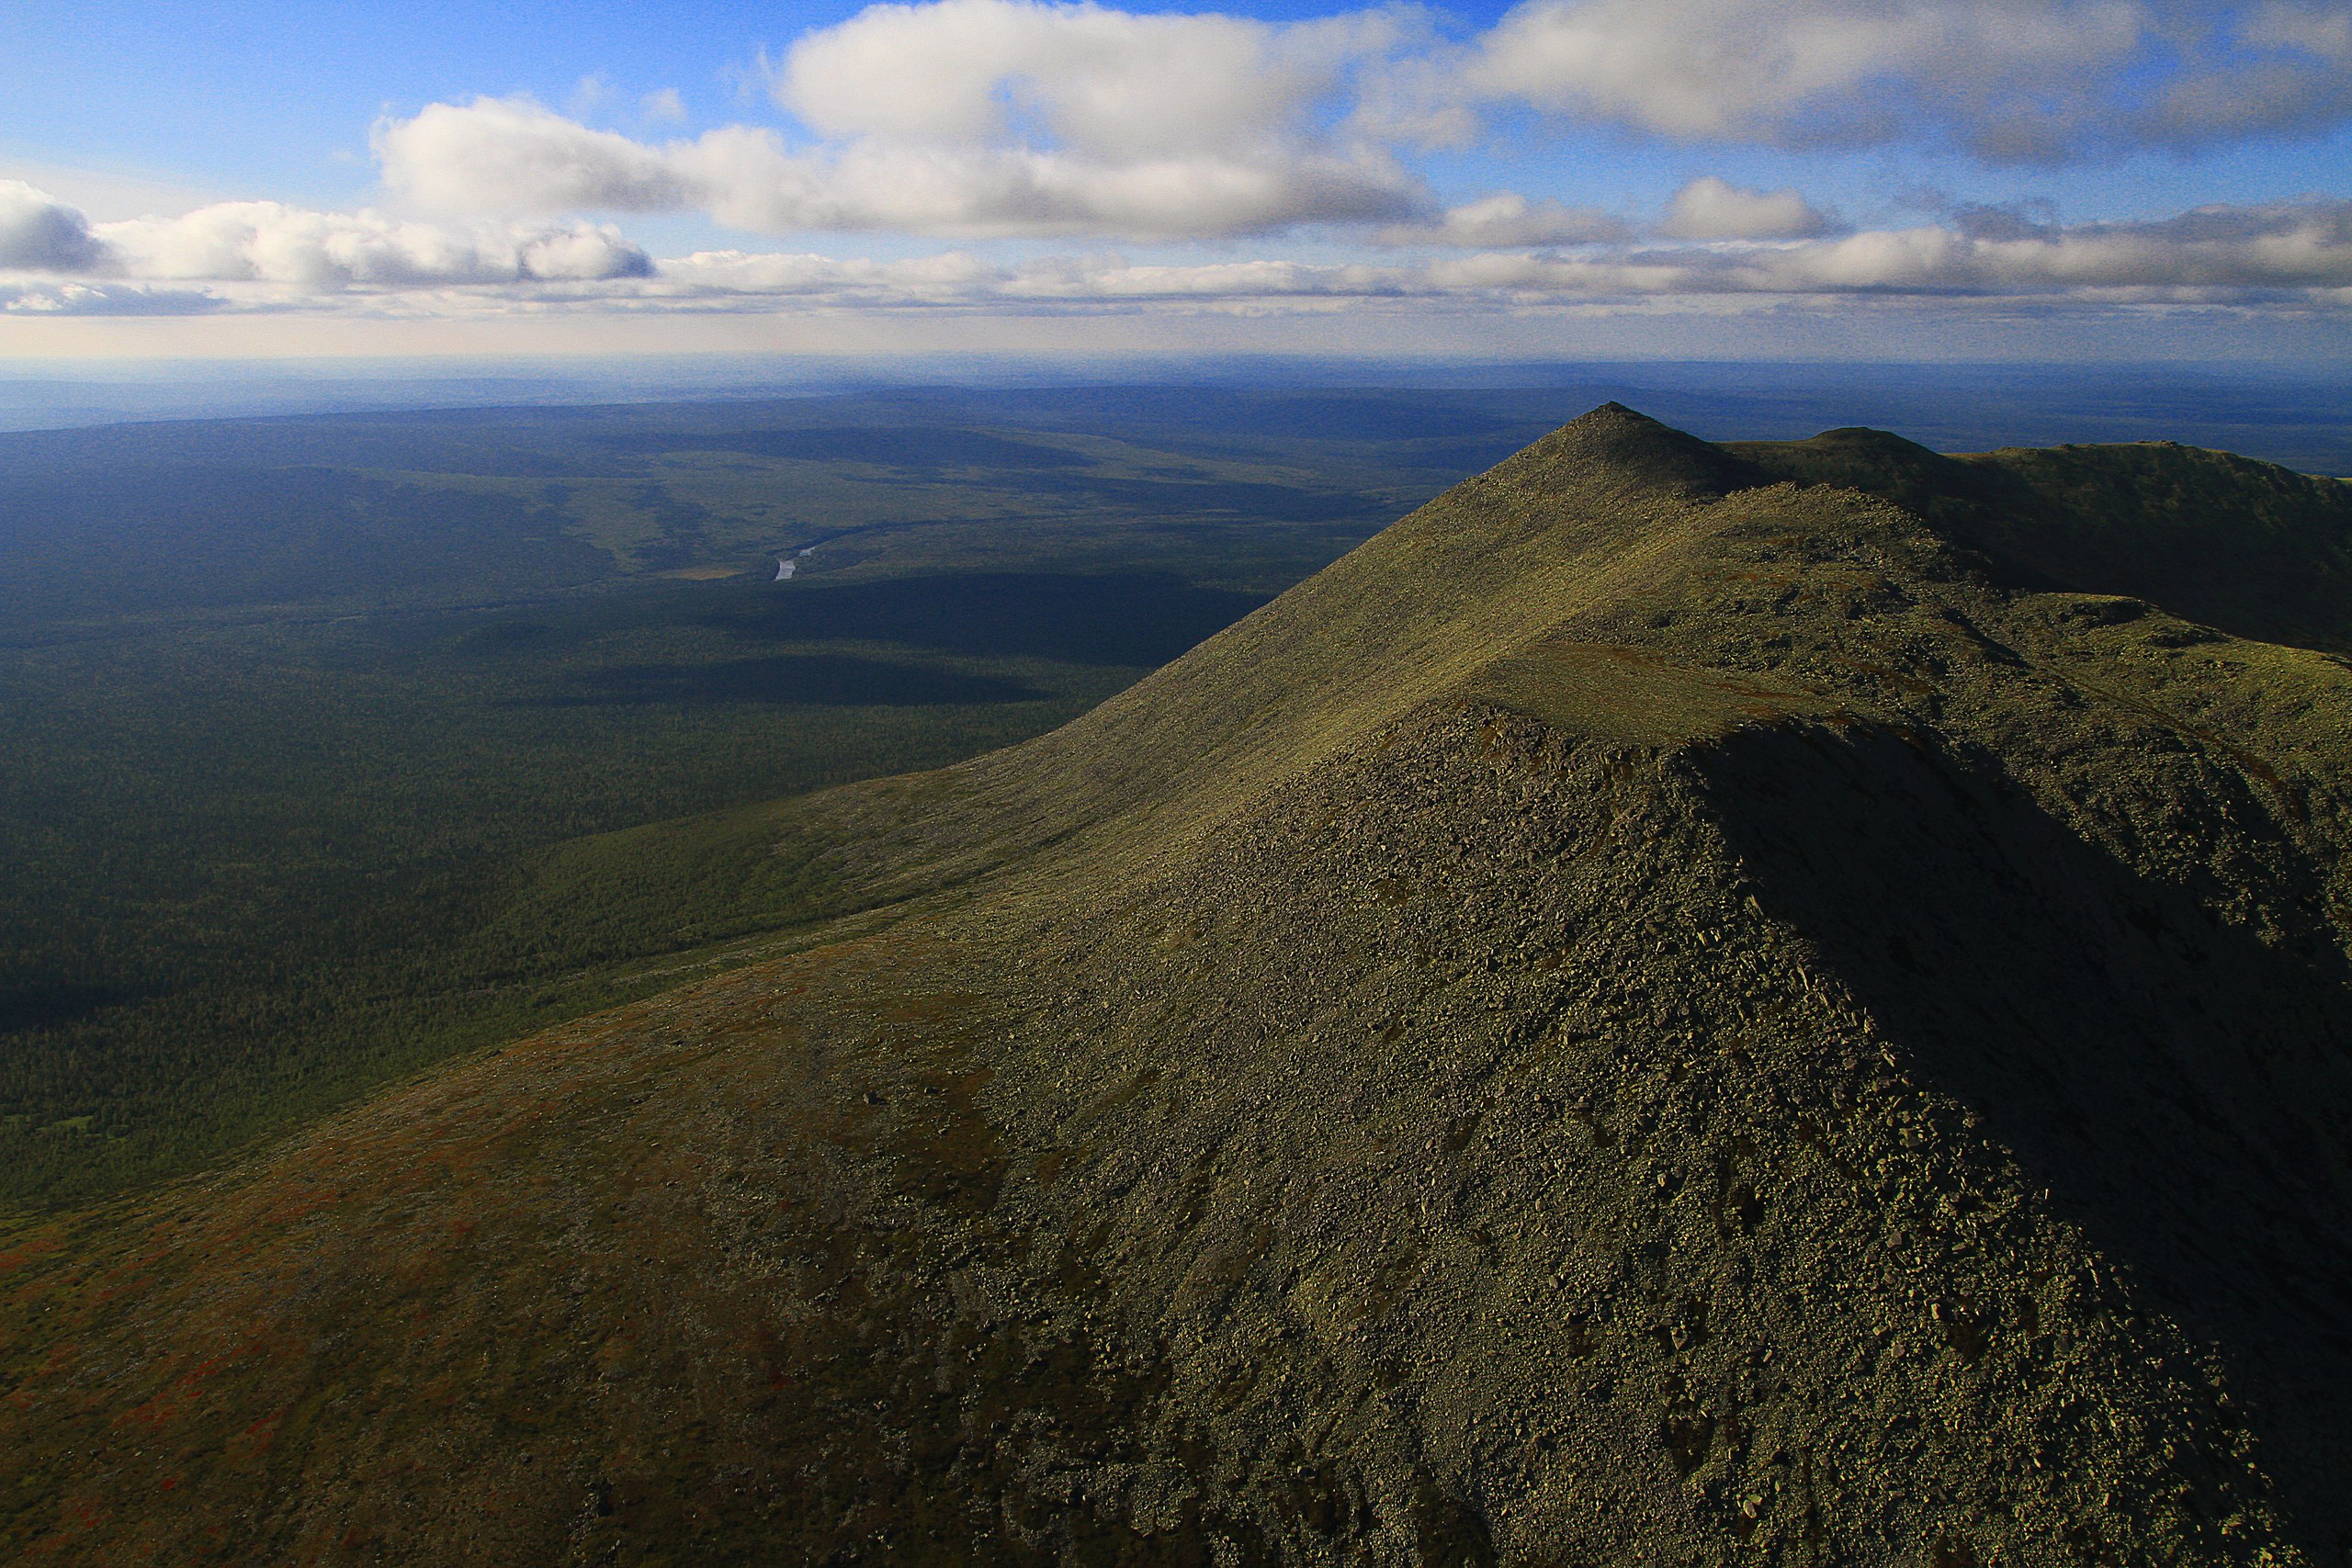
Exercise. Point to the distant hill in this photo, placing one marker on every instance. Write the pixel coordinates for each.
(2250, 548)
(1682, 1004)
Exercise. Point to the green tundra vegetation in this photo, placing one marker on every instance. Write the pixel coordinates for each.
(1681, 1004)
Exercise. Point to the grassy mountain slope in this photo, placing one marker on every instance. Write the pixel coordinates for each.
(1658, 1011)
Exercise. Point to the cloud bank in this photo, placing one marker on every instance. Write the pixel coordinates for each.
(982, 120)
(2208, 254)
(260, 255)
(1008, 125)
(266, 242)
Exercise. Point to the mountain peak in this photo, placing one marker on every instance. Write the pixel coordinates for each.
(1631, 450)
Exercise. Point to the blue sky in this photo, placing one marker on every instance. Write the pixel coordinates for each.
(256, 178)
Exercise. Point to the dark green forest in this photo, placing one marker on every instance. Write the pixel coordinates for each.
(323, 737)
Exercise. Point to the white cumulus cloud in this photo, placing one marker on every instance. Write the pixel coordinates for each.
(264, 241)
(1113, 84)
(974, 119)
(55, 298)
(977, 119)
(510, 156)
(40, 233)
(2007, 80)
(268, 242)
(1508, 219)
(1711, 208)
(499, 155)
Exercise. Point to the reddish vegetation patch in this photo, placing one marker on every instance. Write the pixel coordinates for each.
(255, 1441)
(299, 1201)
(167, 1407)
(43, 1242)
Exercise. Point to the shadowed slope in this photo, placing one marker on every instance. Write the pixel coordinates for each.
(2251, 547)
(1641, 1016)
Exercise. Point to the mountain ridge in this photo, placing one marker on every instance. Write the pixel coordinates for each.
(1654, 1012)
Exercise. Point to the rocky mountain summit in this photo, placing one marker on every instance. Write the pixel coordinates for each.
(1683, 1004)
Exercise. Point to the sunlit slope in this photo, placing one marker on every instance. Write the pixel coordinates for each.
(1646, 1016)
(1489, 568)
(1491, 565)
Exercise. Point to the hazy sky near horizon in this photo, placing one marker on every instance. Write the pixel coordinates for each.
(1871, 177)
